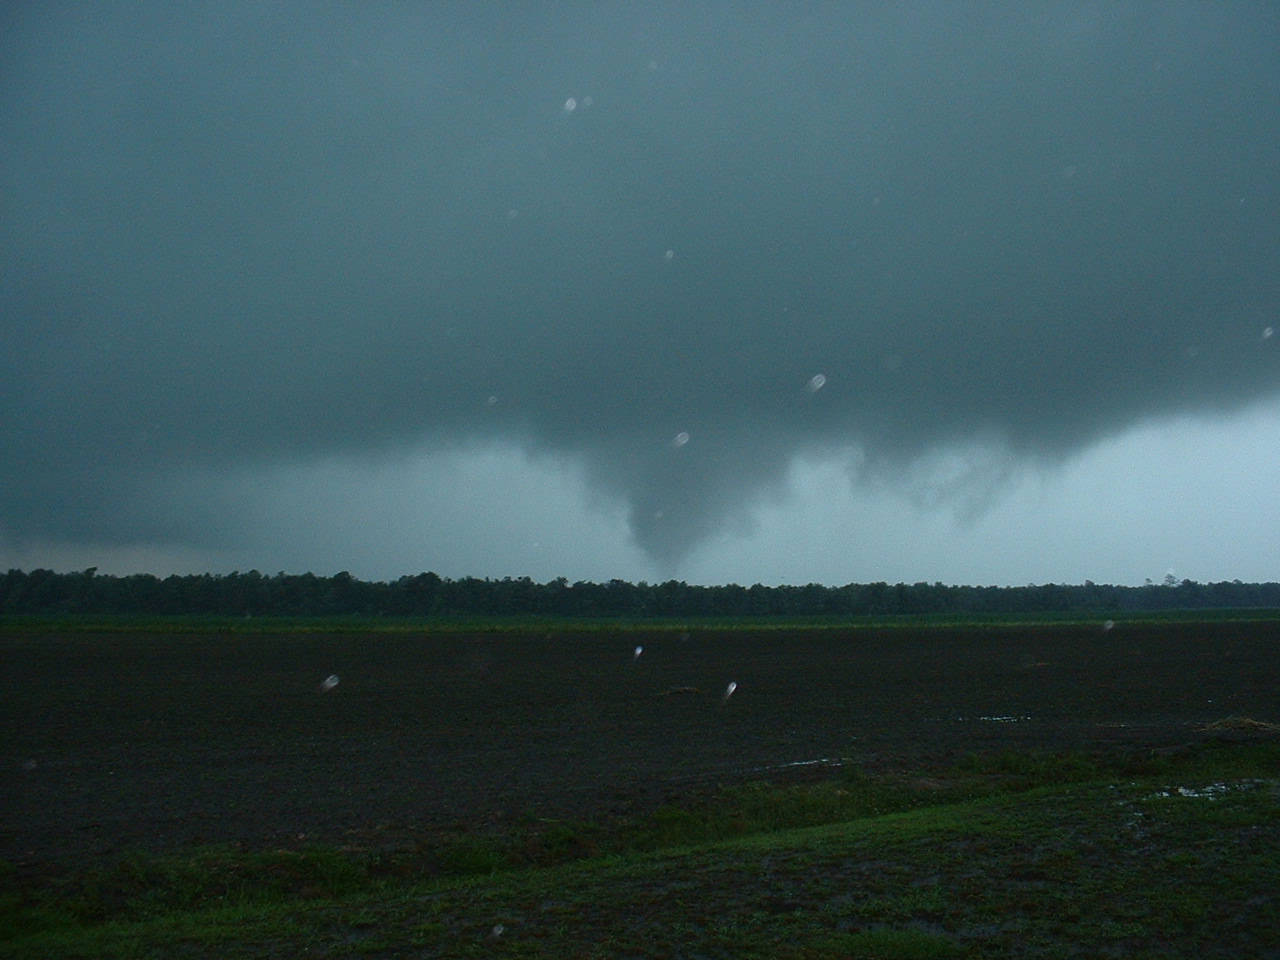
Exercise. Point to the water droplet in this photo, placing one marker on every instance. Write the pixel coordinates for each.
(491, 401)
(669, 255)
(817, 382)
(1109, 625)
(1267, 333)
(680, 439)
(729, 690)
(587, 101)
(639, 650)
(329, 683)
(570, 105)
(512, 213)
(497, 930)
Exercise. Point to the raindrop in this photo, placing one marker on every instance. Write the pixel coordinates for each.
(680, 439)
(1109, 625)
(1267, 333)
(329, 683)
(817, 382)
(512, 213)
(570, 105)
(729, 690)
(587, 101)
(497, 930)
(669, 255)
(491, 401)
(639, 650)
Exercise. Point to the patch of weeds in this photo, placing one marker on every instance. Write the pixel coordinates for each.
(1015, 771)
(470, 857)
(879, 943)
(143, 886)
(762, 807)
(849, 798)
(673, 826)
(425, 934)
(852, 773)
(562, 841)
(1025, 769)
(21, 914)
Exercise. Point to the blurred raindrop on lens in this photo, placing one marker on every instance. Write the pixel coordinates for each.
(680, 439)
(1110, 624)
(329, 683)
(817, 382)
(729, 690)
(570, 105)
(668, 255)
(639, 650)
(497, 930)
(1267, 333)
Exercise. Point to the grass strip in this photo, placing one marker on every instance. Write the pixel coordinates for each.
(19, 624)
(1013, 856)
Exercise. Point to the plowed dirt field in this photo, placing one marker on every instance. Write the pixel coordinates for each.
(110, 742)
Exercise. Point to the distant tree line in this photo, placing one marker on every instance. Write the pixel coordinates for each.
(44, 592)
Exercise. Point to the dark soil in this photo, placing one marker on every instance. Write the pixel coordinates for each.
(116, 742)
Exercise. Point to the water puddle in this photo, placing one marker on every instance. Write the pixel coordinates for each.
(821, 761)
(1212, 791)
(995, 718)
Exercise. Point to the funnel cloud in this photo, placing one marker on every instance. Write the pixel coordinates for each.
(678, 247)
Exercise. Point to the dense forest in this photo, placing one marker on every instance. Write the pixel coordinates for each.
(44, 592)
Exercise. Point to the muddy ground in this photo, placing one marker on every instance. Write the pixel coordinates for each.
(115, 742)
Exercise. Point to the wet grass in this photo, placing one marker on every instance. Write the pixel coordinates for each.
(1134, 854)
(18, 625)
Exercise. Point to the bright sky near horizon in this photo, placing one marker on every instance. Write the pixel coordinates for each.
(728, 292)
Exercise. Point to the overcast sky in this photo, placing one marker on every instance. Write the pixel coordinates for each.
(725, 292)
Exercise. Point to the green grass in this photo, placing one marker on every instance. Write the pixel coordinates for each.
(522, 623)
(1135, 855)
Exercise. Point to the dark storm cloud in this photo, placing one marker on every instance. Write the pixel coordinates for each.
(239, 234)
